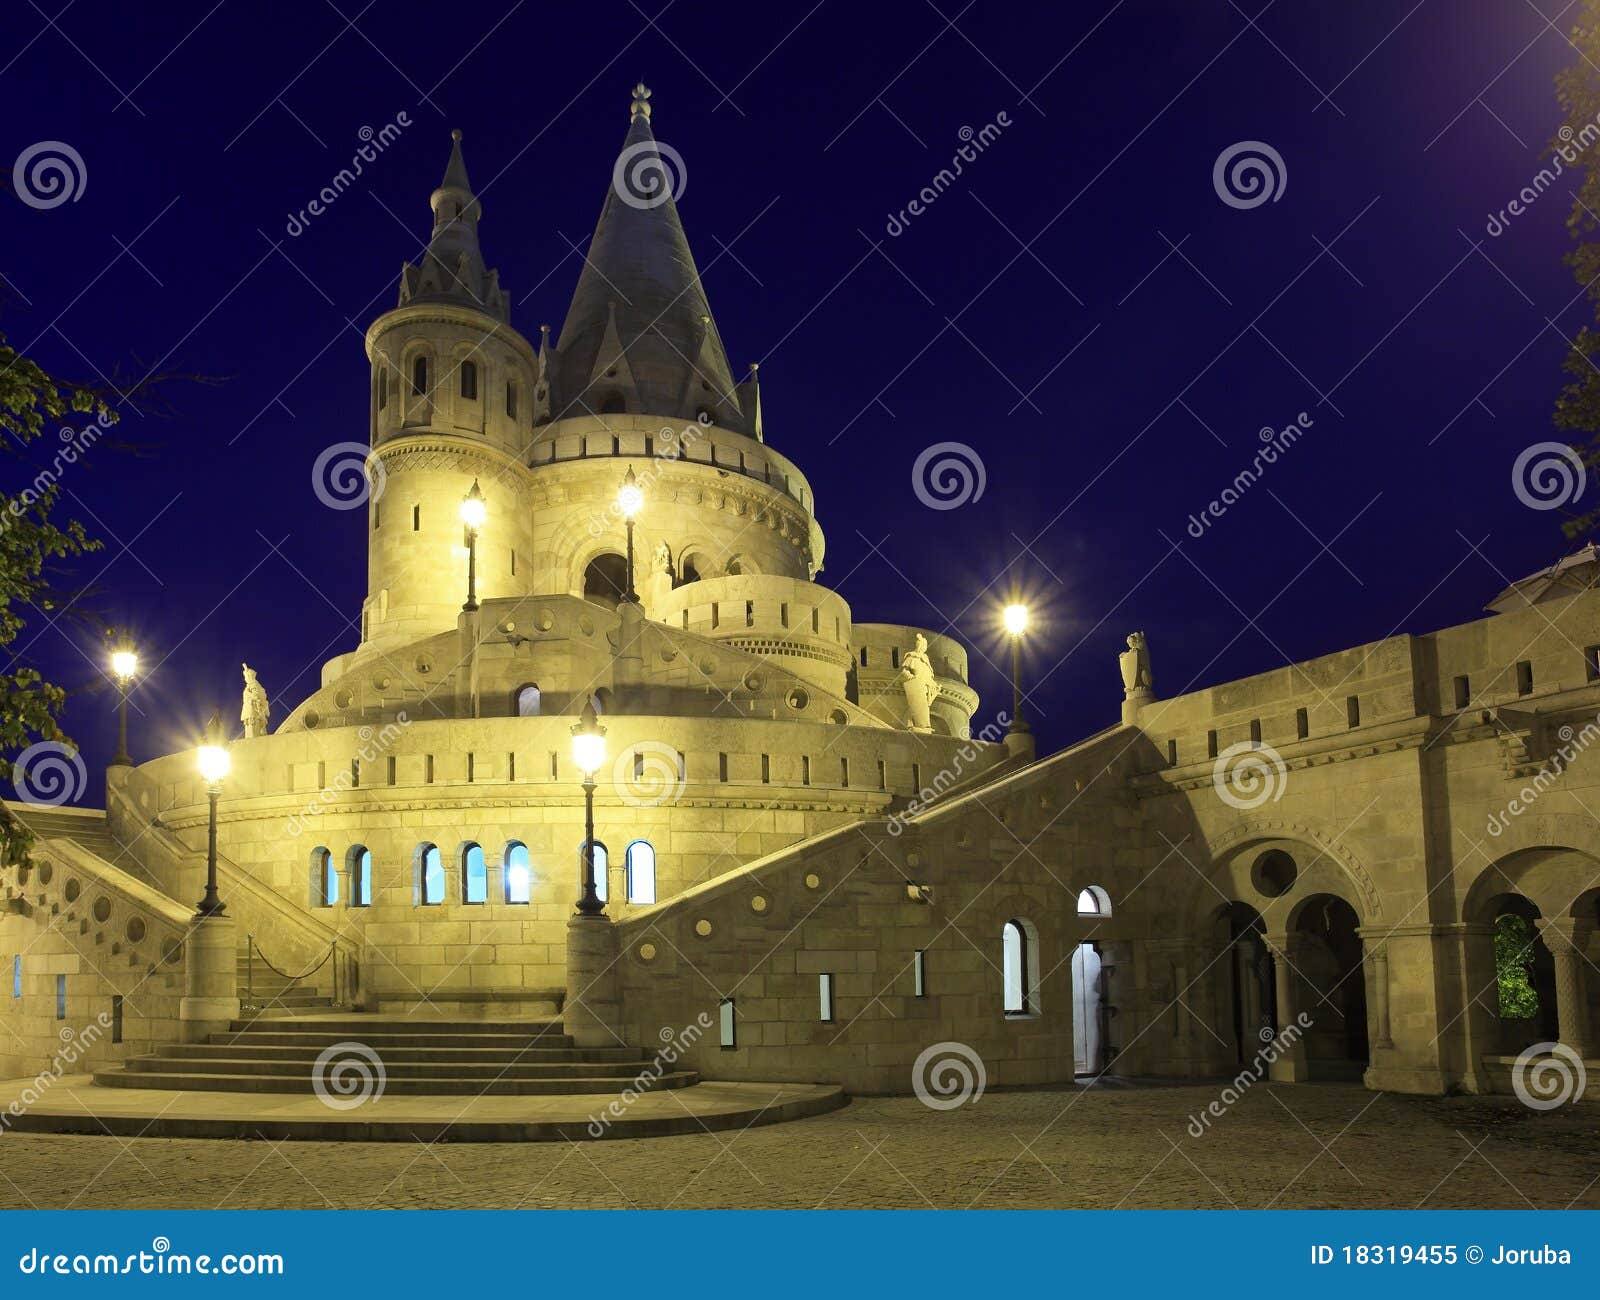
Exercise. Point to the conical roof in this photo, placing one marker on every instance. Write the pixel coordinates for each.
(639, 291)
(452, 268)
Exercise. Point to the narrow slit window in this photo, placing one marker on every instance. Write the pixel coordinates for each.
(1211, 744)
(1352, 710)
(725, 1024)
(116, 1017)
(1591, 663)
(469, 380)
(1464, 687)
(844, 771)
(61, 997)
(722, 767)
(1255, 731)
(825, 997)
(1172, 753)
(919, 974)
(1524, 677)
(1302, 724)
(766, 769)
(805, 769)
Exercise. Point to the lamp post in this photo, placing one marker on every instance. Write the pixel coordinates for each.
(1016, 623)
(124, 663)
(630, 498)
(589, 752)
(473, 513)
(214, 764)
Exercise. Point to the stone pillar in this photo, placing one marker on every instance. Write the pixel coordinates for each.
(210, 1000)
(1378, 959)
(1480, 1002)
(1566, 939)
(1290, 1065)
(592, 1012)
(1020, 745)
(1249, 974)
(628, 667)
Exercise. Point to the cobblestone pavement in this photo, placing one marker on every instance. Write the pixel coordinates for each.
(1323, 1146)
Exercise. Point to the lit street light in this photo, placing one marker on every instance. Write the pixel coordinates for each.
(1016, 623)
(214, 764)
(124, 664)
(589, 753)
(473, 512)
(630, 500)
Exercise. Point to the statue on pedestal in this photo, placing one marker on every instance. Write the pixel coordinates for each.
(1135, 660)
(256, 707)
(916, 678)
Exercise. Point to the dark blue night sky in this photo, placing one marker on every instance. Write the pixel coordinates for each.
(1080, 307)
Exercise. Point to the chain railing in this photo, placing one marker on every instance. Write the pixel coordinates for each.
(346, 974)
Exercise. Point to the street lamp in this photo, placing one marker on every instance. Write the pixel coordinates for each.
(214, 764)
(473, 513)
(1016, 623)
(124, 663)
(589, 753)
(630, 498)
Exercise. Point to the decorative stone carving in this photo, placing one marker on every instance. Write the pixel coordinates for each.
(916, 678)
(256, 708)
(1135, 660)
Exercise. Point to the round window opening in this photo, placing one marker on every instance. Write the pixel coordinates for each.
(1274, 873)
(798, 699)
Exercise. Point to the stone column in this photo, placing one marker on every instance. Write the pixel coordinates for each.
(1566, 939)
(1290, 1066)
(210, 1000)
(592, 1010)
(1249, 976)
(1378, 959)
(628, 667)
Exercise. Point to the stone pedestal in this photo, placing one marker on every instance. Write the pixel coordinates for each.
(210, 1000)
(1132, 702)
(1566, 940)
(1020, 745)
(628, 667)
(592, 1013)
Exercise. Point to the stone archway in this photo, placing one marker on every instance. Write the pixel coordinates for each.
(1326, 957)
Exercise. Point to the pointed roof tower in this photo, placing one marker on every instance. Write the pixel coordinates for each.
(452, 269)
(639, 335)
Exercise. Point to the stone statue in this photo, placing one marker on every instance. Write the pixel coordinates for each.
(256, 708)
(1135, 660)
(916, 678)
(664, 559)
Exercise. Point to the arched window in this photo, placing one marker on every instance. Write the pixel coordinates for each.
(419, 377)
(324, 879)
(518, 873)
(358, 866)
(511, 399)
(469, 380)
(527, 701)
(383, 387)
(474, 874)
(641, 868)
(605, 580)
(430, 875)
(689, 569)
(601, 870)
(1094, 901)
(1016, 963)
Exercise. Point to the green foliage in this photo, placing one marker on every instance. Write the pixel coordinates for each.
(1578, 156)
(31, 542)
(1513, 967)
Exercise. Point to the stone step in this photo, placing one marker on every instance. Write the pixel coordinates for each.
(432, 1085)
(246, 1050)
(618, 1071)
(384, 1042)
(359, 1024)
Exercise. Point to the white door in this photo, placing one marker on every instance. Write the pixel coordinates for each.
(1086, 1009)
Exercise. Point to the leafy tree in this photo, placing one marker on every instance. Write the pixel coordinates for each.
(33, 543)
(1575, 156)
(1513, 967)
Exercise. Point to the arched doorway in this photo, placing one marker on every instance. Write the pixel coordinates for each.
(1525, 976)
(605, 580)
(1332, 988)
(1088, 988)
(1247, 996)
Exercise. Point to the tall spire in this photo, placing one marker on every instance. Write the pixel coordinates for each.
(452, 269)
(639, 334)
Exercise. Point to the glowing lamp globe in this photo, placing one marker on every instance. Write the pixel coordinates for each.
(589, 742)
(124, 663)
(630, 496)
(474, 510)
(1016, 619)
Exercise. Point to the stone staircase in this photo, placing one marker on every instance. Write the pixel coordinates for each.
(86, 826)
(272, 994)
(416, 1057)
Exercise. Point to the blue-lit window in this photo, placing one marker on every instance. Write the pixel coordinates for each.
(324, 879)
(601, 870)
(518, 873)
(641, 867)
(358, 862)
(474, 875)
(430, 875)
